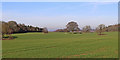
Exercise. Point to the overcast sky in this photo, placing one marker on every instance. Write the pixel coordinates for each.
(55, 15)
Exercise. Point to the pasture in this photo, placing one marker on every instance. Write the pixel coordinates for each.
(61, 45)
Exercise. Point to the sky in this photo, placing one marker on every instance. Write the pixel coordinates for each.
(60, 0)
(55, 15)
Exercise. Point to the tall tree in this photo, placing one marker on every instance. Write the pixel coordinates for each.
(13, 26)
(100, 28)
(86, 28)
(72, 26)
(5, 28)
(22, 28)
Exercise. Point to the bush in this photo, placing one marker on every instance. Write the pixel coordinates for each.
(80, 32)
(75, 33)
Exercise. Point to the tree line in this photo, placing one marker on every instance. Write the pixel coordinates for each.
(12, 27)
(73, 27)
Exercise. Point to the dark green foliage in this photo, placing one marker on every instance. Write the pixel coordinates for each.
(5, 28)
(80, 32)
(77, 32)
(12, 27)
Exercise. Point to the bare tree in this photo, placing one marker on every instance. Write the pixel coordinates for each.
(100, 28)
(86, 28)
(45, 30)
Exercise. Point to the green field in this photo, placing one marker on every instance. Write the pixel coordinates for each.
(61, 45)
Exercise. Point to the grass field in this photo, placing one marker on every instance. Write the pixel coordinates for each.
(61, 45)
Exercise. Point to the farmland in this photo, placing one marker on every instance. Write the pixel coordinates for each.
(61, 45)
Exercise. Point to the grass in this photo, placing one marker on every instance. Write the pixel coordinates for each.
(61, 45)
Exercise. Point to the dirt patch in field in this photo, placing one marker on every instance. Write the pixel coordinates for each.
(83, 54)
(99, 50)
(116, 52)
(74, 55)
(6, 39)
(80, 54)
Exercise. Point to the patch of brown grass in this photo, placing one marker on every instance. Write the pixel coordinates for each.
(74, 55)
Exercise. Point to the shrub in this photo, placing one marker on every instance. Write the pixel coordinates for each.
(75, 33)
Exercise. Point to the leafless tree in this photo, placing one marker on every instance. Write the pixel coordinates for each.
(45, 30)
(100, 28)
(86, 28)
